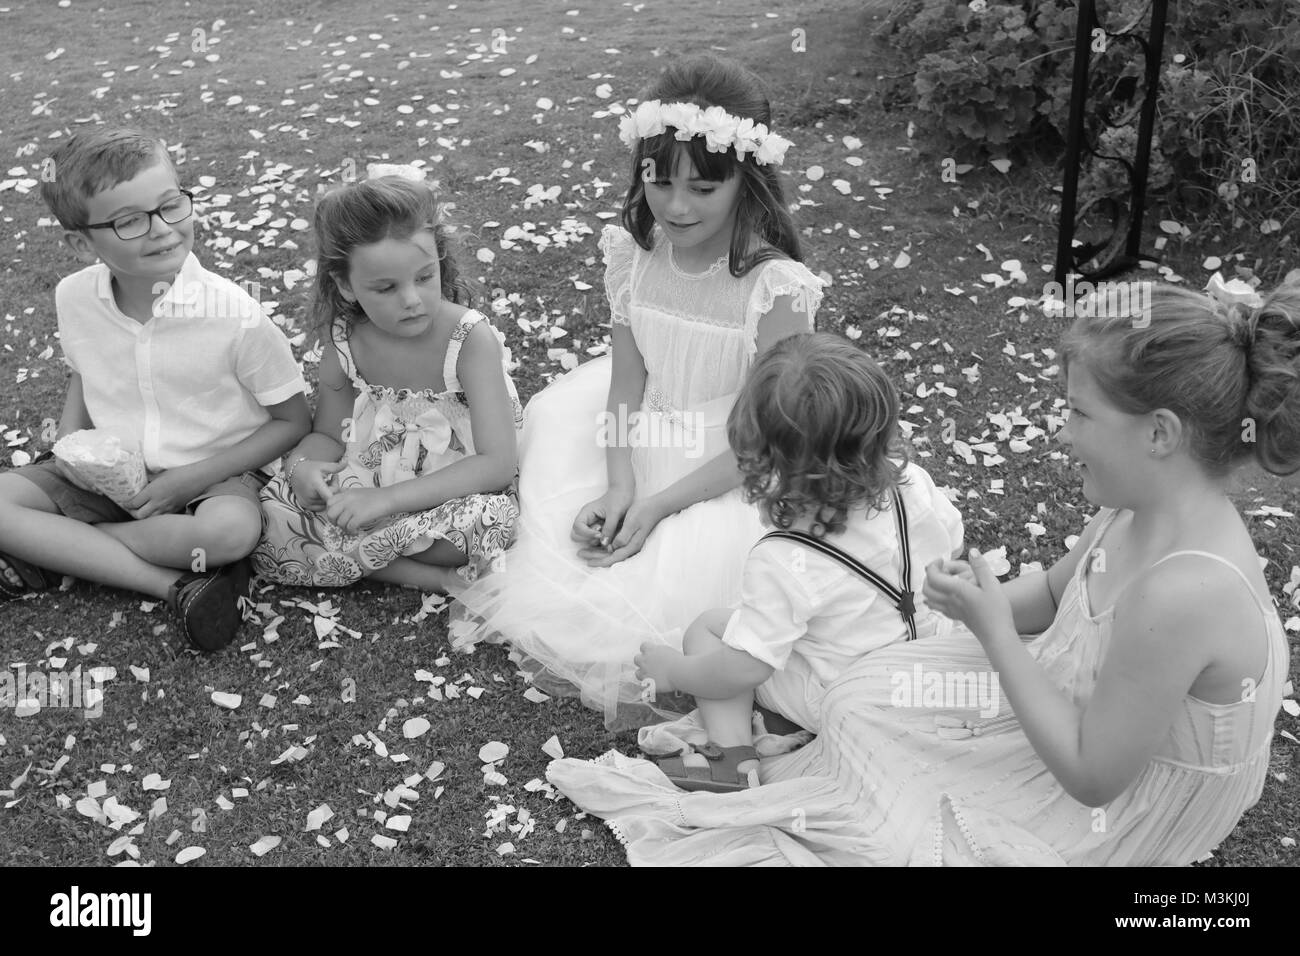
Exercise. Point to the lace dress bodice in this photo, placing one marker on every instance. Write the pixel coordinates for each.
(697, 333)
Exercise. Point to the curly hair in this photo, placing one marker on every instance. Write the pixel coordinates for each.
(814, 429)
(1231, 375)
(388, 207)
(762, 212)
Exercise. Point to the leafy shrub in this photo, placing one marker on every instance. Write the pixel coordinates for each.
(996, 76)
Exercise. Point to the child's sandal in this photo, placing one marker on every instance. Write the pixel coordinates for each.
(720, 775)
(33, 578)
(208, 604)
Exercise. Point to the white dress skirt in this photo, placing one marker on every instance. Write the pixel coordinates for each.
(576, 629)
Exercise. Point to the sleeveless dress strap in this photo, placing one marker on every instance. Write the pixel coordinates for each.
(450, 381)
(1271, 621)
(1221, 560)
(339, 339)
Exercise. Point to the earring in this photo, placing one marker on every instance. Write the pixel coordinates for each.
(1153, 451)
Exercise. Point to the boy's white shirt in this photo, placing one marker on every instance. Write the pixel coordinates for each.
(797, 601)
(184, 386)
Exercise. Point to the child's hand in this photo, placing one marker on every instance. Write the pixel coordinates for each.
(169, 492)
(638, 522)
(970, 593)
(653, 666)
(357, 508)
(311, 483)
(598, 521)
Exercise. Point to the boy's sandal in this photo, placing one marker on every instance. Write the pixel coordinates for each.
(33, 578)
(718, 776)
(208, 604)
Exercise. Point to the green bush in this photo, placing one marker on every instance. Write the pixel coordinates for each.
(996, 76)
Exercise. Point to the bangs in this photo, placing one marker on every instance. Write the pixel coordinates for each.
(665, 151)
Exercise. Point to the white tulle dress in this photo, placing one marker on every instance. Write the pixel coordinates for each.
(577, 628)
(881, 787)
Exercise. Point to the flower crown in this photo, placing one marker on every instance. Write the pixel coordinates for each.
(720, 129)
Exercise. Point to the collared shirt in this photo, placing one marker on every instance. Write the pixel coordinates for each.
(191, 382)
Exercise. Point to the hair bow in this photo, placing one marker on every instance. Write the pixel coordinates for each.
(1233, 292)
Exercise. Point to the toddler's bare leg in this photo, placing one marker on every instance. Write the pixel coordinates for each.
(729, 722)
(32, 529)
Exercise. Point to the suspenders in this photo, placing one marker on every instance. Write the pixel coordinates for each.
(903, 598)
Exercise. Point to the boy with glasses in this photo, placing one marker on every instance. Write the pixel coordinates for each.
(170, 358)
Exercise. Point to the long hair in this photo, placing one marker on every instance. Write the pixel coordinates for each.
(814, 429)
(761, 212)
(1231, 375)
(388, 207)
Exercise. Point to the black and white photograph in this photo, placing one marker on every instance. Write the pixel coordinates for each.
(601, 433)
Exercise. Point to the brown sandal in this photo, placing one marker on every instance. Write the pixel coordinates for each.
(719, 776)
(34, 579)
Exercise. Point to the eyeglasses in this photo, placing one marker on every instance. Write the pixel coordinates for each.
(136, 224)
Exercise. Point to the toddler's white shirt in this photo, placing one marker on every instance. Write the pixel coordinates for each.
(189, 383)
(797, 601)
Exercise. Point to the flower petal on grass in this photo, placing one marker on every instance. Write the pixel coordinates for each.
(415, 727)
(318, 817)
(492, 751)
(265, 845)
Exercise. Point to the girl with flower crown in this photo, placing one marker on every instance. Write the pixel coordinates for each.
(632, 518)
(408, 476)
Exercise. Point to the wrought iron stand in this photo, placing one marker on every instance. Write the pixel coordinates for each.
(1120, 250)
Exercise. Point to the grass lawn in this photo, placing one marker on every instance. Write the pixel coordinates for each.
(265, 108)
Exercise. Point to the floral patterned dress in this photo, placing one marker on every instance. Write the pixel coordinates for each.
(394, 435)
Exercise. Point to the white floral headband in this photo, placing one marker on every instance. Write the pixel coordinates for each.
(721, 130)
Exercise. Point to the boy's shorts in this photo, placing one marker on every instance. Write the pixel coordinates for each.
(93, 508)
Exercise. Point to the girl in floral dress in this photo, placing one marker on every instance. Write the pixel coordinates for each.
(409, 473)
